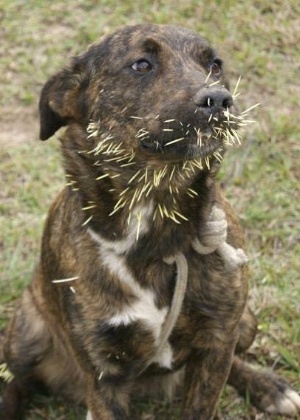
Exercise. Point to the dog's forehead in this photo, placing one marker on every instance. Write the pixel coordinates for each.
(141, 37)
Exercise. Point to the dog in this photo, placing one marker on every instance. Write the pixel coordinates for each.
(142, 280)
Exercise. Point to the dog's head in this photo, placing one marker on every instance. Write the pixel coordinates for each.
(154, 92)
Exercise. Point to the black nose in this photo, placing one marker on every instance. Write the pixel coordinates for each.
(213, 100)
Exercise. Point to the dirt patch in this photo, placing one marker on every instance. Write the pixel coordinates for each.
(18, 125)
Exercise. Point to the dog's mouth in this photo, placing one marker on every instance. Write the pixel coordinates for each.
(162, 155)
(155, 141)
(174, 140)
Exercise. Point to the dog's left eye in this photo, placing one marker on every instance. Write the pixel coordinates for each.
(142, 66)
(216, 68)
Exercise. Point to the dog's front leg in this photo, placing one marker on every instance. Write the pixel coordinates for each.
(107, 399)
(205, 376)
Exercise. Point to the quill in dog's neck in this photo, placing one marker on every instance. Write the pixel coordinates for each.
(136, 181)
(123, 178)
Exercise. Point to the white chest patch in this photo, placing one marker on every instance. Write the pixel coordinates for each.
(138, 225)
(143, 309)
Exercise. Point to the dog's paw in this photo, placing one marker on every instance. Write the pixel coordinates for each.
(274, 396)
(287, 404)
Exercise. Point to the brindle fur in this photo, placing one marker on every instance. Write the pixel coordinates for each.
(62, 339)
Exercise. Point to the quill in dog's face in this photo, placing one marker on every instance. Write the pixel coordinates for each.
(171, 86)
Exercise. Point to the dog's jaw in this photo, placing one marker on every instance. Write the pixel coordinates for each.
(161, 154)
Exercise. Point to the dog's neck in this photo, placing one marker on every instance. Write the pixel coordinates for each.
(118, 188)
(166, 186)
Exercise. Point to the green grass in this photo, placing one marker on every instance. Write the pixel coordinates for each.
(260, 41)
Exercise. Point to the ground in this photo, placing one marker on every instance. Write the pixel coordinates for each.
(260, 40)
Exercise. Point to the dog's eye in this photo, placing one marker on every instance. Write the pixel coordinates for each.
(142, 66)
(216, 68)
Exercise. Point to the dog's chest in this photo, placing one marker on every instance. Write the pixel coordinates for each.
(135, 329)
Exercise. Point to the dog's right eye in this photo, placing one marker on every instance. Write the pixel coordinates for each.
(142, 66)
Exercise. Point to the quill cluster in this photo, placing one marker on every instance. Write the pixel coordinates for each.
(112, 156)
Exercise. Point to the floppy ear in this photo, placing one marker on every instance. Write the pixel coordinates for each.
(62, 100)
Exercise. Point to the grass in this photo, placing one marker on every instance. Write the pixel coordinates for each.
(261, 43)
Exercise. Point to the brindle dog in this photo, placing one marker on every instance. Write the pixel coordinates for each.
(148, 114)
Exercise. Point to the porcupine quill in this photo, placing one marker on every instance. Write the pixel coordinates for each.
(5, 373)
(144, 180)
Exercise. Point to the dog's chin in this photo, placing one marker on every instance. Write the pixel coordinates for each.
(207, 149)
(188, 149)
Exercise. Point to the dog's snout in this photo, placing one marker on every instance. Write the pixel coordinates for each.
(213, 100)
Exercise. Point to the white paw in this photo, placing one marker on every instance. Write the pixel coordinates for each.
(287, 405)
